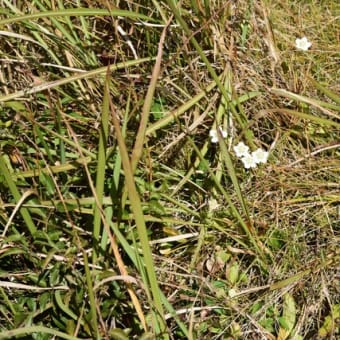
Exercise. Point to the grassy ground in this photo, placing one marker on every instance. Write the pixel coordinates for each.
(121, 218)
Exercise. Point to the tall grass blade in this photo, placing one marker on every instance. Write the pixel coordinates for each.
(332, 95)
(17, 196)
(70, 79)
(35, 329)
(158, 319)
(101, 166)
(76, 12)
(302, 115)
(139, 143)
(92, 300)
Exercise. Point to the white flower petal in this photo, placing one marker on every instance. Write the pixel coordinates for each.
(248, 161)
(241, 149)
(214, 137)
(302, 44)
(213, 204)
(232, 293)
(260, 156)
(224, 134)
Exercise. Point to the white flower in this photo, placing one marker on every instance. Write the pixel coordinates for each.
(260, 156)
(241, 149)
(302, 44)
(248, 161)
(232, 292)
(213, 204)
(214, 137)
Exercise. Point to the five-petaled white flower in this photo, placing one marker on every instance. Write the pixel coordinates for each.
(260, 156)
(302, 44)
(214, 137)
(241, 149)
(248, 161)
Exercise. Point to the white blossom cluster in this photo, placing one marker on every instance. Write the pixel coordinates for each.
(250, 160)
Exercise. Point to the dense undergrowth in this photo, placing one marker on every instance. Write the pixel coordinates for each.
(121, 218)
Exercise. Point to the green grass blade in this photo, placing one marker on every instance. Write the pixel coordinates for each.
(78, 76)
(332, 95)
(302, 115)
(305, 100)
(225, 155)
(140, 138)
(159, 322)
(53, 169)
(16, 194)
(92, 300)
(58, 24)
(171, 116)
(35, 329)
(65, 308)
(62, 149)
(131, 253)
(76, 12)
(101, 166)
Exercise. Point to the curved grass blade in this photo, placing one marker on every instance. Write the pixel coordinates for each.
(16, 194)
(78, 76)
(136, 206)
(75, 12)
(101, 166)
(35, 329)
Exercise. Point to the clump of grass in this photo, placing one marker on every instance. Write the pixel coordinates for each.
(120, 218)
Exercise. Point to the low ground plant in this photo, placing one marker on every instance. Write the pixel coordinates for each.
(169, 169)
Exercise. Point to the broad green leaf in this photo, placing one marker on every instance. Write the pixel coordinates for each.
(288, 319)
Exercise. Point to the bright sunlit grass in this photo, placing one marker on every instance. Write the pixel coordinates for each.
(169, 170)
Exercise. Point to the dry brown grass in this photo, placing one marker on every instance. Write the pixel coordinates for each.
(216, 280)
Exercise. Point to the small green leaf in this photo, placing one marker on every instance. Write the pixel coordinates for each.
(44, 298)
(147, 336)
(156, 207)
(268, 324)
(288, 319)
(222, 255)
(48, 183)
(157, 109)
(118, 334)
(233, 273)
(256, 307)
(15, 105)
